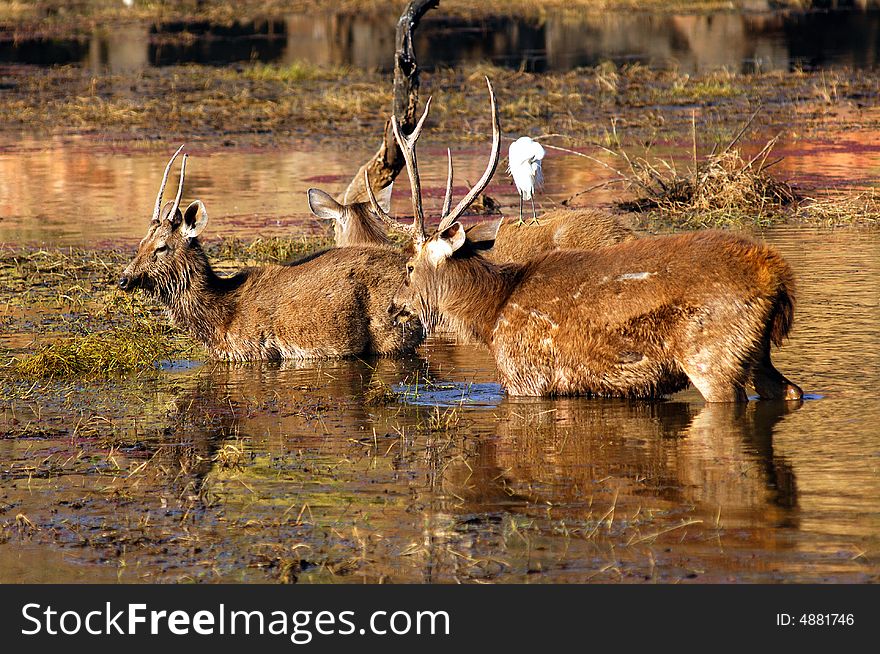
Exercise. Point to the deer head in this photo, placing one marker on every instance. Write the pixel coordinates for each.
(430, 280)
(169, 253)
(355, 223)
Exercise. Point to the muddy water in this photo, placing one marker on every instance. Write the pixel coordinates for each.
(209, 472)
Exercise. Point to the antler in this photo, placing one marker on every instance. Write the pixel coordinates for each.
(450, 217)
(379, 211)
(407, 146)
(176, 204)
(158, 208)
(447, 199)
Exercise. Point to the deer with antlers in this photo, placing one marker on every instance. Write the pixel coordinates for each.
(331, 304)
(638, 319)
(355, 224)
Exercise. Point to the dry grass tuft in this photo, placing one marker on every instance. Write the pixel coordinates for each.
(269, 250)
(229, 457)
(293, 73)
(723, 189)
(860, 209)
(378, 393)
(449, 419)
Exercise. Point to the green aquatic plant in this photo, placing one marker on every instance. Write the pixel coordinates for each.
(113, 352)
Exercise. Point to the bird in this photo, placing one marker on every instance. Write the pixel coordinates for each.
(524, 165)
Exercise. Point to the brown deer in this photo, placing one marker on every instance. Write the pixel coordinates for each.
(558, 229)
(355, 224)
(330, 304)
(636, 319)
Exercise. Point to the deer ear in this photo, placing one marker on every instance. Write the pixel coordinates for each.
(324, 206)
(384, 198)
(194, 219)
(445, 243)
(482, 235)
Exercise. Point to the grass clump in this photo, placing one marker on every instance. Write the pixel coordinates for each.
(722, 189)
(449, 419)
(686, 90)
(296, 72)
(229, 457)
(861, 209)
(378, 393)
(276, 249)
(113, 352)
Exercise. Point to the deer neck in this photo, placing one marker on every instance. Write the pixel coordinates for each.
(363, 230)
(199, 301)
(474, 294)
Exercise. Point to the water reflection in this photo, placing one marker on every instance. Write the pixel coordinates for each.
(563, 453)
(568, 462)
(758, 38)
(67, 192)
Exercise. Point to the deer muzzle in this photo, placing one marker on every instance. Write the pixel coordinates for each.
(399, 315)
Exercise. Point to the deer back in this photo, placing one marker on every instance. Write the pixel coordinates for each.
(559, 229)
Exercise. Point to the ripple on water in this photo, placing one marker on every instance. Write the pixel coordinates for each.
(447, 394)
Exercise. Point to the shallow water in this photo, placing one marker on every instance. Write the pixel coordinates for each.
(79, 192)
(756, 39)
(204, 471)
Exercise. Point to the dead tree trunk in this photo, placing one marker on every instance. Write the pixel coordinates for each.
(388, 161)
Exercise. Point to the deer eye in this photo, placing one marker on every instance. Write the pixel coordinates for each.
(161, 249)
(409, 268)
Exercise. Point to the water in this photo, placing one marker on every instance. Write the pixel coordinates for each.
(76, 191)
(757, 39)
(212, 471)
(215, 472)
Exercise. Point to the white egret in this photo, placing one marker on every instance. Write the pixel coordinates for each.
(524, 165)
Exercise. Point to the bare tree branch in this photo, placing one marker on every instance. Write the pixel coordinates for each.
(388, 161)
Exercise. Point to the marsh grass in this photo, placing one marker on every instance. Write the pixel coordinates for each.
(858, 209)
(378, 393)
(229, 457)
(271, 103)
(723, 188)
(275, 249)
(113, 352)
(715, 86)
(442, 420)
(294, 73)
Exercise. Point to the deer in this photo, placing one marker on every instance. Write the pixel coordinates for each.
(640, 319)
(355, 224)
(326, 305)
(558, 229)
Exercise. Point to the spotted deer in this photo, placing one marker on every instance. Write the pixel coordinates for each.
(355, 224)
(331, 304)
(637, 319)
